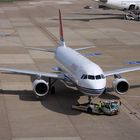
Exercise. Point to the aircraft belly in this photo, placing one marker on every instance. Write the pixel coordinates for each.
(69, 85)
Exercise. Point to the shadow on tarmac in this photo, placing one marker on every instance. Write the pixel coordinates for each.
(62, 101)
(87, 19)
(108, 96)
(96, 14)
(100, 14)
(92, 16)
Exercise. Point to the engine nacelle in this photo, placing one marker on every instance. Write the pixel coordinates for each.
(132, 7)
(120, 85)
(40, 87)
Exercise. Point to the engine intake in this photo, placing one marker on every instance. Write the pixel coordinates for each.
(121, 85)
(40, 87)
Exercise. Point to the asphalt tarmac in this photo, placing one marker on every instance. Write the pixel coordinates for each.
(35, 24)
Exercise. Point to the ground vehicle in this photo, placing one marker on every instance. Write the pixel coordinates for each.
(106, 108)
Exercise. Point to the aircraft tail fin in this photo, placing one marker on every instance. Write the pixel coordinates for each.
(62, 42)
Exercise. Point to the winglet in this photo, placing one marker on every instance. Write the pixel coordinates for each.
(62, 43)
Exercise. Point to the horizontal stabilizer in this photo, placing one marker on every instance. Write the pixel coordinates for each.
(52, 50)
(84, 48)
(91, 54)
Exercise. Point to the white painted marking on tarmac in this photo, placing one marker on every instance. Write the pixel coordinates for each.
(52, 2)
(3, 34)
(49, 138)
(64, 2)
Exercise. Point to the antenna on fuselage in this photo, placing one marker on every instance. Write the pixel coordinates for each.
(62, 42)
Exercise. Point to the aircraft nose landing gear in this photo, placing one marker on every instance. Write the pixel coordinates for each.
(89, 100)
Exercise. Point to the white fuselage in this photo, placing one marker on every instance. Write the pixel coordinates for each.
(120, 4)
(87, 76)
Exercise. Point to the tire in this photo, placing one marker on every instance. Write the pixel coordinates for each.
(52, 90)
(40, 98)
(89, 110)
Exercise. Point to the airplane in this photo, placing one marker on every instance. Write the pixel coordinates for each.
(75, 71)
(130, 6)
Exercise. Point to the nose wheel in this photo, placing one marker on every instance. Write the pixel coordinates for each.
(85, 106)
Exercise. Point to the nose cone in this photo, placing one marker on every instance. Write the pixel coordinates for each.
(99, 91)
(92, 88)
(98, 84)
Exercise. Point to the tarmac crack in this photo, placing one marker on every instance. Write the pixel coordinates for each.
(132, 113)
(7, 116)
(43, 29)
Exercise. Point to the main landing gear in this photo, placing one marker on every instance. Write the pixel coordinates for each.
(51, 86)
(86, 107)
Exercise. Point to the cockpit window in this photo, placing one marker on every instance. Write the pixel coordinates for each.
(98, 77)
(91, 77)
(102, 76)
(84, 76)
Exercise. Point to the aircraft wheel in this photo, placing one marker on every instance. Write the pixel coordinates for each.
(89, 110)
(53, 90)
(40, 98)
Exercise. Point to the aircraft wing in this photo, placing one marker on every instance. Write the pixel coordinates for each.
(120, 71)
(31, 73)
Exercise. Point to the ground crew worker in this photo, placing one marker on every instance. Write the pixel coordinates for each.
(100, 104)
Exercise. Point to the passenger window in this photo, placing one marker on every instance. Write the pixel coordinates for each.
(98, 77)
(91, 77)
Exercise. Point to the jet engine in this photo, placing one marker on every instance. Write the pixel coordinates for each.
(120, 85)
(40, 88)
(132, 7)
